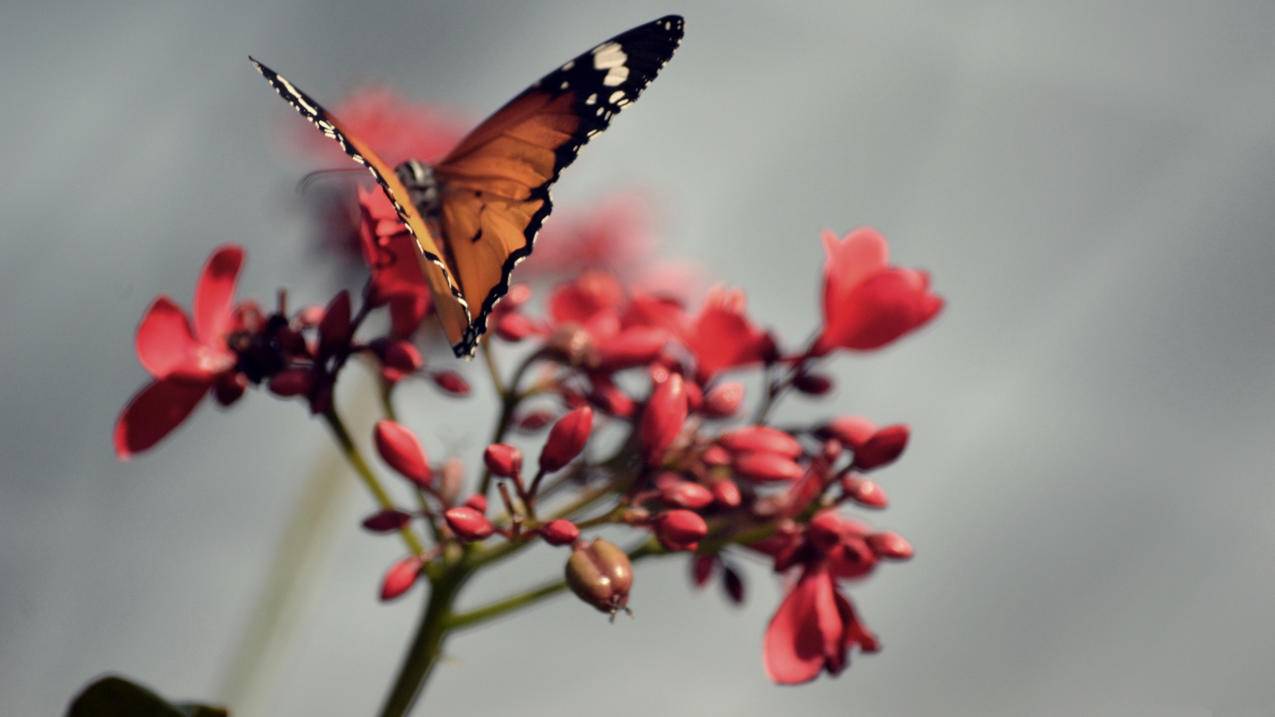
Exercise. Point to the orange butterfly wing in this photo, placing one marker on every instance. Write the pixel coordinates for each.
(495, 185)
(449, 302)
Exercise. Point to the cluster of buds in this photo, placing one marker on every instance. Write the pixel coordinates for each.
(650, 426)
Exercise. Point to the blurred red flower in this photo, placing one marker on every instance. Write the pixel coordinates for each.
(184, 363)
(397, 128)
(722, 337)
(866, 302)
(813, 630)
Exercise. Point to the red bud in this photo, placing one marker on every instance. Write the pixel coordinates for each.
(386, 521)
(612, 399)
(680, 529)
(533, 421)
(566, 439)
(853, 431)
(694, 395)
(468, 523)
(814, 384)
(477, 502)
(727, 493)
(761, 439)
(560, 532)
(636, 346)
(733, 584)
(715, 456)
(702, 569)
(883, 448)
(229, 387)
(514, 327)
(400, 577)
(890, 545)
(682, 493)
(766, 467)
(401, 357)
(663, 418)
(400, 449)
(723, 400)
(334, 328)
(292, 382)
(451, 382)
(864, 492)
(503, 460)
(600, 574)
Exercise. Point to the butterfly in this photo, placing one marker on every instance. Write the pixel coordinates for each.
(475, 213)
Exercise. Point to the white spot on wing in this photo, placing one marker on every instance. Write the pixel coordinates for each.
(616, 76)
(608, 55)
(616, 96)
(591, 99)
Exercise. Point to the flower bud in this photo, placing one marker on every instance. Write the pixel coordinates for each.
(636, 346)
(533, 421)
(733, 584)
(400, 449)
(310, 315)
(229, 387)
(723, 400)
(566, 439)
(702, 569)
(726, 492)
(853, 431)
(813, 384)
(572, 343)
(662, 419)
(715, 456)
(826, 530)
(451, 382)
(694, 395)
(398, 357)
(292, 382)
(612, 399)
(514, 327)
(503, 460)
(560, 532)
(600, 574)
(518, 296)
(766, 467)
(680, 529)
(864, 492)
(477, 502)
(467, 523)
(386, 521)
(883, 448)
(682, 493)
(761, 439)
(334, 327)
(453, 473)
(890, 545)
(400, 577)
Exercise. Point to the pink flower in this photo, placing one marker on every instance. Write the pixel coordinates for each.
(867, 303)
(184, 362)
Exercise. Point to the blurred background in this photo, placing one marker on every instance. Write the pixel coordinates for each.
(1089, 483)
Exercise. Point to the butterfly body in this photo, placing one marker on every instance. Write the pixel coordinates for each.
(475, 213)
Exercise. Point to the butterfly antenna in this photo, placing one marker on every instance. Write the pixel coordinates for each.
(310, 178)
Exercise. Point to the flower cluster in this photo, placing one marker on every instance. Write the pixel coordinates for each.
(639, 394)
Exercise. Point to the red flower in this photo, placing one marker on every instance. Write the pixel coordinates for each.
(392, 256)
(396, 128)
(185, 363)
(866, 302)
(614, 236)
(722, 337)
(812, 631)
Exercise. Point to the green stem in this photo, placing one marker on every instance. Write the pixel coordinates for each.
(509, 400)
(355, 457)
(427, 645)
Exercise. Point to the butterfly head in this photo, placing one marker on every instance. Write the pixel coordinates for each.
(421, 185)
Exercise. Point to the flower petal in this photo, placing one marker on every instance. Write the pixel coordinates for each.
(215, 293)
(153, 412)
(798, 635)
(164, 340)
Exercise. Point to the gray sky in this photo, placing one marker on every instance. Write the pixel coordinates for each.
(1088, 486)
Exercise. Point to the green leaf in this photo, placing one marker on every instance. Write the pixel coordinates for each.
(113, 696)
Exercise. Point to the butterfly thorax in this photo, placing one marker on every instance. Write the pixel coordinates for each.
(422, 187)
